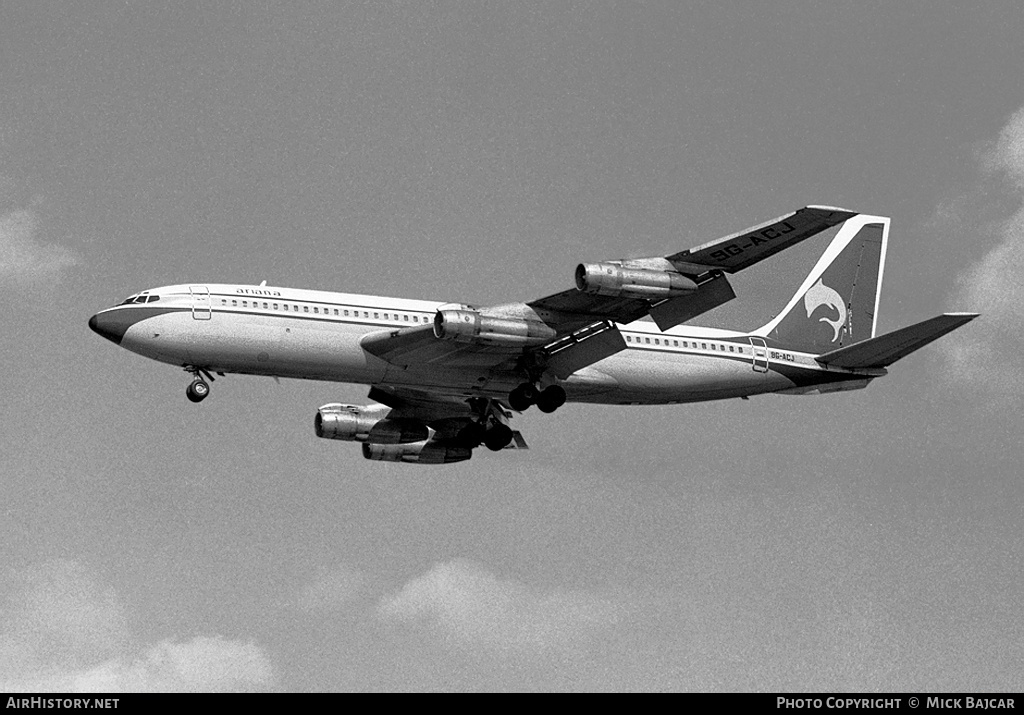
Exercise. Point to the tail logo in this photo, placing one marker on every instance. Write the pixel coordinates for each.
(820, 294)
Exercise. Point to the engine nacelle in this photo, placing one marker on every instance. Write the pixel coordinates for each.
(425, 453)
(469, 326)
(369, 423)
(612, 280)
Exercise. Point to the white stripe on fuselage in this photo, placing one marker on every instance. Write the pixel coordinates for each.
(309, 334)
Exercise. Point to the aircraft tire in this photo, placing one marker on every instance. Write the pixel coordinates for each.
(497, 438)
(522, 397)
(551, 399)
(472, 434)
(197, 391)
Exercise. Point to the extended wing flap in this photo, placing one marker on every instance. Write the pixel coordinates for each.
(741, 250)
(887, 349)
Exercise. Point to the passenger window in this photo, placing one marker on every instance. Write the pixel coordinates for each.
(223, 301)
(415, 318)
(675, 343)
(234, 303)
(305, 309)
(376, 316)
(295, 308)
(335, 311)
(647, 340)
(703, 346)
(712, 346)
(264, 306)
(366, 314)
(406, 317)
(732, 349)
(346, 313)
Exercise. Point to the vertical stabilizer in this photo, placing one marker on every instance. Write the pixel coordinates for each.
(837, 304)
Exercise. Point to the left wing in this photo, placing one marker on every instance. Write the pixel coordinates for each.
(447, 416)
(576, 327)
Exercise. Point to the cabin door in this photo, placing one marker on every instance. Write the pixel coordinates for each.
(759, 354)
(201, 309)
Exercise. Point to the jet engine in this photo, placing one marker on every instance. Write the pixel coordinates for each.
(613, 280)
(369, 423)
(470, 326)
(423, 453)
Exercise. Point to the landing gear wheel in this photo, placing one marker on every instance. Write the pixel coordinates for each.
(497, 438)
(472, 434)
(551, 398)
(522, 397)
(197, 391)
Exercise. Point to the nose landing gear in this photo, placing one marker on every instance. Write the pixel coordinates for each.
(197, 391)
(199, 388)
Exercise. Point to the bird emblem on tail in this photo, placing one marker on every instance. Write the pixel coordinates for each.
(820, 294)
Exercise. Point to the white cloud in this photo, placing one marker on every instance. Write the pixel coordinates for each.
(468, 605)
(989, 354)
(203, 664)
(64, 632)
(24, 258)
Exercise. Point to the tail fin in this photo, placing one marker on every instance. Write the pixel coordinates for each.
(837, 304)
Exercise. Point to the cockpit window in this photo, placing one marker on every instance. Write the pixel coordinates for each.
(141, 299)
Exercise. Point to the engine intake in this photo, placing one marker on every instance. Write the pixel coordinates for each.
(425, 453)
(354, 423)
(613, 280)
(470, 326)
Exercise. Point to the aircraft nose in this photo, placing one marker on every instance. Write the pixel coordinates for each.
(109, 326)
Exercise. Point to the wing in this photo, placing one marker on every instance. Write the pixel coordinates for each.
(577, 326)
(446, 415)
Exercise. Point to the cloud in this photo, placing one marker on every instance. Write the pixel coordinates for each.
(63, 631)
(468, 605)
(24, 258)
(989, 355)
(203, 664)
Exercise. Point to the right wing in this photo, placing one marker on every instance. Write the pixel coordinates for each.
(580, 323)
(705, 264)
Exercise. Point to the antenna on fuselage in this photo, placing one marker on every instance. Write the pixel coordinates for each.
(263, 284)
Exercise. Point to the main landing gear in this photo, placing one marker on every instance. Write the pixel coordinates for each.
(547, 400)
(199, 388)
(489, 429)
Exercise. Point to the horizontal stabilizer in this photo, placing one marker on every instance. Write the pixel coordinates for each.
(887, 349)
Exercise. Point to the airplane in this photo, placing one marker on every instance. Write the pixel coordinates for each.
(446, 378)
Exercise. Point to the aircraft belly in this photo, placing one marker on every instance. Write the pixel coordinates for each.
(651, 377)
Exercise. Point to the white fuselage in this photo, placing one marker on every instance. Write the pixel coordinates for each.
(315, 335)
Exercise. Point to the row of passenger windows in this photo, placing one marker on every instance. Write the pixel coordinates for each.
(686, 344)
(413, 318)
(324, 310)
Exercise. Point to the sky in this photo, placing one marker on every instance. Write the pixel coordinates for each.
(476, 152)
